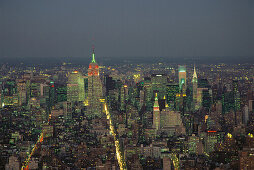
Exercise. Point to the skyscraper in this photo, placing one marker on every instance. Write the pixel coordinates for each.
(182, 78)
(75, 87)
(156, 113)
(236, 96)
(94, 89)
(172, 91)
(194, 85)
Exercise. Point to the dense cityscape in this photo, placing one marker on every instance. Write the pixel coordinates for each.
(127, 116)
(127, 85)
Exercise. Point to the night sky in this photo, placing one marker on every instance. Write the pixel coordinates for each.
(122, 28)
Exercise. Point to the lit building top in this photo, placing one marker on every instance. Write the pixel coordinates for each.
(195, 74)
(93, 57)
(93, 69)
(156, 103)
(181, 68)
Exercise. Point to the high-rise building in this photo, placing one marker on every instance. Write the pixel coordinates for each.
(21, 87)
(206, 99)
(75, 87)
(194, 85)
(159, 83)
(148, 94)
(94, 89)
(227, 102)
(182, 78)
(236, 96)
(172, 91)
(110, 84)
(156, 113)
(61, 92)
(210, 141)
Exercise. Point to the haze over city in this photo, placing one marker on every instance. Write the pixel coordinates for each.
(123, 29)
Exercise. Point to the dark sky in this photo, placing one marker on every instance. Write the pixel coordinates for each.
(120, 28)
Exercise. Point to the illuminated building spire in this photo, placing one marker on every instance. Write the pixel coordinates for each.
(195, 87)
(93, 56)
(156, 96)
(156, 103)
(195, 77)
(195, 74)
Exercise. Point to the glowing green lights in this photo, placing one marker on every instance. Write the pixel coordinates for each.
(181, 68)
(93, 60)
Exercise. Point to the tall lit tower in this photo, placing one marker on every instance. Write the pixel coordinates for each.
(182, 78)
(75, 87)
(194, 85)
(156, 113)
(94, 89)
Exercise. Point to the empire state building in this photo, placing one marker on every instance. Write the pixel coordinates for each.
(94, 89)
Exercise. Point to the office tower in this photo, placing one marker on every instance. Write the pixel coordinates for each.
(194, 85)
(52, 95)
(203, 87)
(159, 79)
(182, 78)
(236, 95)
(61, 92)
(86, 90)
(173, 122)
(203, 83)
(34, 89)
(165, 116)
(148, 94)
(75, 87)
(210, 141)
(159, 83)
(94, 89)
(28, 94)
(206, 99)
(21, 87)
(227, 102)
(45, 93)
(156, 113)
(110, 84)
(171, 91)
(122, 99)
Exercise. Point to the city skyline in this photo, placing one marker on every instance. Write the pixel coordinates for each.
(133, 116)
(127, 85)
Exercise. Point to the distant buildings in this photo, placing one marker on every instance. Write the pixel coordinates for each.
(159, 118)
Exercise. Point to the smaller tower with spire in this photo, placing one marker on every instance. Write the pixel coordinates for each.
(194, 85)
(156, 113)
